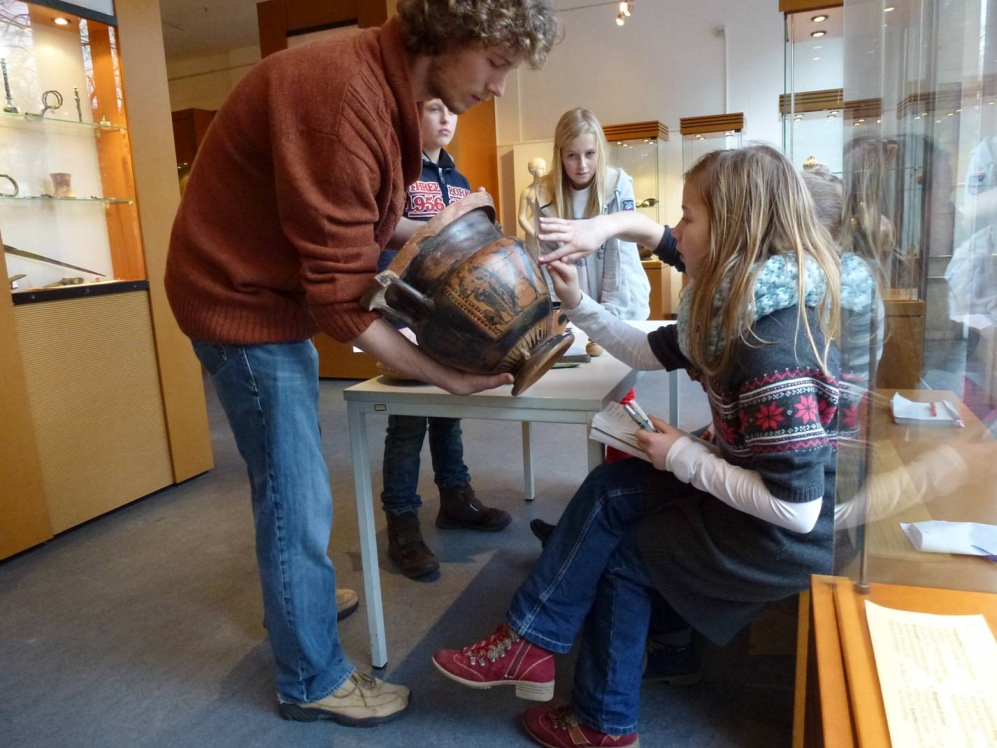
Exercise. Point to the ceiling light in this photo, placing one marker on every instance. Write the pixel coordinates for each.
(817, 46)
(888, 8)
(818, 34)
(626, 8)
(620, 19)
(816, 59)
(60, 21)
(819, 19)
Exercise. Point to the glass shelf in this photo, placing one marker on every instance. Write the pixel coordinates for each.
(40, 198)
(33, 119)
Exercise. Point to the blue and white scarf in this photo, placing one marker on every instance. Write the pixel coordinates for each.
(776, 287)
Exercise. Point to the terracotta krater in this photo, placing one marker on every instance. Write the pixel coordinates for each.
(476, 300)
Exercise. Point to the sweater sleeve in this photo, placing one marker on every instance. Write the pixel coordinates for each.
(667, 251)
(331, 189)
(664, 343)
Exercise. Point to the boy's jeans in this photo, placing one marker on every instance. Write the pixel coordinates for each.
(402, 448)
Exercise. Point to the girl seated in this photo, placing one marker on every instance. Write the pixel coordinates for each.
(718, 533)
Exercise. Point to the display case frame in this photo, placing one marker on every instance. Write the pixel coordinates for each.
(714, 132)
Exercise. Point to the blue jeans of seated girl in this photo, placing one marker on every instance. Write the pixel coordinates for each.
(402, 449)
(590, 578)
(270, 396)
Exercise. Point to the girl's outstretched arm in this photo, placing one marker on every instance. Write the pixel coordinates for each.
(581, 238)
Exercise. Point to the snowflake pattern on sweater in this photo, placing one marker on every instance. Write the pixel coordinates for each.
(794, 409)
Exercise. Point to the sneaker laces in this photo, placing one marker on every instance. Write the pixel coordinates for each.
(493, 647)
(562, 717)
(364, 681)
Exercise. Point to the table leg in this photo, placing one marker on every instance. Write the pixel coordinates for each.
(596, 451)
(528, 483)
(673, 398)
(368, 535)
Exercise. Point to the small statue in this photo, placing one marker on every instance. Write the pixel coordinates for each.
(529, 205)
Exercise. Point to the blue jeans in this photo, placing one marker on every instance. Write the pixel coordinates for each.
(402, 448)
(270, 396)
(590, 578)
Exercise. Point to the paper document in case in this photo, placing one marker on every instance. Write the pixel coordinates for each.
(911, 413)
(937, 677)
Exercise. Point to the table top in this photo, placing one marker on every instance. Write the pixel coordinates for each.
(586, 387)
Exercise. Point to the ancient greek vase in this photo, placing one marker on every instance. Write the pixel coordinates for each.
(476, 300)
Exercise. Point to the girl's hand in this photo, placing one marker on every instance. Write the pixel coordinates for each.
(565, 279)
(658, 445)
(579, 238)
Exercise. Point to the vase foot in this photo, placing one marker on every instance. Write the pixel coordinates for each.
(541, 359)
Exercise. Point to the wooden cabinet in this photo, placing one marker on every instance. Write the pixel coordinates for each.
(189, 127)
(103, 399)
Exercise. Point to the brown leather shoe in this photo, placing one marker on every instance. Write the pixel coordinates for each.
(407, 548)
(460, 508)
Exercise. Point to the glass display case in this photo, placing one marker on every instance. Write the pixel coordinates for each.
(94, 421)
(637, 149)
(67, 196)
(919, 184)
(814, 118)
(702, 135)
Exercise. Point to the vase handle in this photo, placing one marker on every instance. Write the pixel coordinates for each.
(375, 298)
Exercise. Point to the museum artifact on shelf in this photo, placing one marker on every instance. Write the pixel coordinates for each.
(476, 300)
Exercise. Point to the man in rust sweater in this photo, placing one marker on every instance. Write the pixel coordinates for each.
(298, 185)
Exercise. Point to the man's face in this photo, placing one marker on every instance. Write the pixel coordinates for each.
(470, 76)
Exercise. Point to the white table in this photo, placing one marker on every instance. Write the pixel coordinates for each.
(572, 395)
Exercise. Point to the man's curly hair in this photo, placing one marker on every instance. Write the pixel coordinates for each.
(527, 28)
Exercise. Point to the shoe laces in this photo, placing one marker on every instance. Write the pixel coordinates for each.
(562, 717)
(364, 681)
(492, 648)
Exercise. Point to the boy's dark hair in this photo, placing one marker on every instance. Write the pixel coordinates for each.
(527, 28)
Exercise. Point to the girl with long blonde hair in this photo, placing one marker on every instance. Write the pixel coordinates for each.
(580, 185)
(717, 530)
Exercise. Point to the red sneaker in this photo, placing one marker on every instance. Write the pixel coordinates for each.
(558, 727)
(503, 659)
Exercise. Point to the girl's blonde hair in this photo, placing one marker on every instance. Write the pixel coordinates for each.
(577, 122)
(758, 208)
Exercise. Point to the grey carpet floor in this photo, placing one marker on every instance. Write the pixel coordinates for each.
(144, 627)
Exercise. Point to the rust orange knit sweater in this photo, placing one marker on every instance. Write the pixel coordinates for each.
(297, 186)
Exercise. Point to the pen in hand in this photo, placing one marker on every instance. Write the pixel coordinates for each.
(639, 417)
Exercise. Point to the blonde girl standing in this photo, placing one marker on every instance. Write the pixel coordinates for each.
(582, 185)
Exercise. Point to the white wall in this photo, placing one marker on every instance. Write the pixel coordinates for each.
(204, 82)
(666, 62)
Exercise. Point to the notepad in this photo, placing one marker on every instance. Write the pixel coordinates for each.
(911, 413)
(614, 428)
(938, 536)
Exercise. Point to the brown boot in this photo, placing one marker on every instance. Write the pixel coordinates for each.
(459, 508)
(407, 548)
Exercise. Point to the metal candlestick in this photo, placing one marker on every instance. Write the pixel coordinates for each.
(9, 108)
